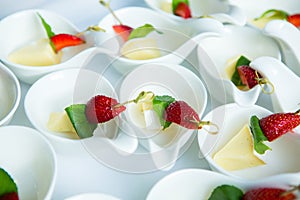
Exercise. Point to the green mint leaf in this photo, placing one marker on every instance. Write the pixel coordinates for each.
(166, 125)
(47, 27)
(48, 30)
(160, 103)
(7, 184)
(273, 14)
(226, 192)
(79, 121)
(236, 77)
(258, 136)
(142, 31)
(176, 2)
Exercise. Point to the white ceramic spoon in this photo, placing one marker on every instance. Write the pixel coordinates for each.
(285, 97)
(195, 184)
(288, 37)
(214, 52)
(175, 44)
(25, 27)
(219, 10)
(164, 147)
(56, 91)
(30, 160)
(230, 118)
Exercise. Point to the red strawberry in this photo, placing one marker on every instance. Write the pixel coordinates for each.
(101, 109)
(183, 10)
(275, 125)
(181, 113)
(248, 76)
(65, 40)
(123, 31)
(294, 19)
(10, 196)
(268, 194)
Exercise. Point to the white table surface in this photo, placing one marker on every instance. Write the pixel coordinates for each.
(83, 174)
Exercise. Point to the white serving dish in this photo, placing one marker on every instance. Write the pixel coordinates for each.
(235, 41)
(231, 118)
(174, 80)
(30, 160)
(10, 94)
(175, 44)
(24, 27)
(56, 91)
(194, 184)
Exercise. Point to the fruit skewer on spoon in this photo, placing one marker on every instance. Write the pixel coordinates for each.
(47, 51)
(121, 29)
(101, 109)
(135, 43)
(271, 127)
(125, 31)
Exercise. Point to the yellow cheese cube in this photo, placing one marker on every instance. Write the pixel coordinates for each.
(39, 53)
(238, 153)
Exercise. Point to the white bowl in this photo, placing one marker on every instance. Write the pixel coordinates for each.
(255, 8)
(30, 160)
(24, 27)
(174, 44)
(92, 196)
(195, 184)
(56, 91)
(176, 81)
(222, 11)
(10, 94)
(235, 41)
(231, 118)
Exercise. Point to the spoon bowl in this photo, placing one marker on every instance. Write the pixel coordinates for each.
(230, 118)
(174, 43)
(58, 90)
(215, 62)
(167, 145)
(195, 184)
(25, 27)
(30, 160)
